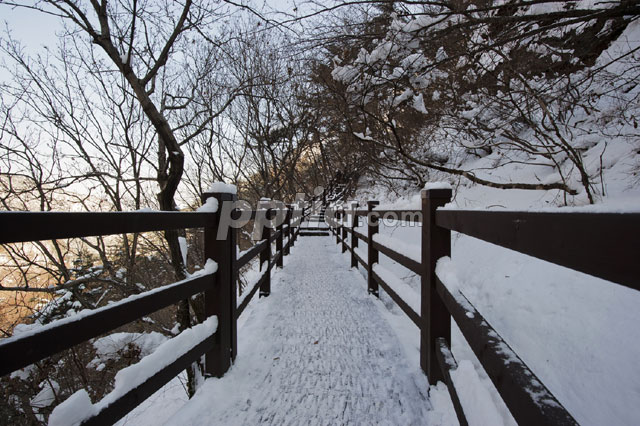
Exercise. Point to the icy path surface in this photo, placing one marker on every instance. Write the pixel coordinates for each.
(315, 352)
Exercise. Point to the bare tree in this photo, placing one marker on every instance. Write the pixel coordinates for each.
(426, 81)
(118, 107)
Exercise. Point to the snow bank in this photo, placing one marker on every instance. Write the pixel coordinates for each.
(73, 411)
(445, 270)
(78, 407)
(47, 395)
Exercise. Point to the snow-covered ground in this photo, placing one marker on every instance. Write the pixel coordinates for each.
(317, 351)
(579, 334)
(320, 350)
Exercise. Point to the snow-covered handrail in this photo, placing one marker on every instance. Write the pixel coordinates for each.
(602, 244)
(38, 226)
(38, 343)
(139, 381)
(217, 280)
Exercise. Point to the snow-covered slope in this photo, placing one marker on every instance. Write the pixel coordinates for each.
(578, 333)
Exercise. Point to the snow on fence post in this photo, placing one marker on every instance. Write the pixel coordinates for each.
(287, 221)
(436, 320)
(220, 299)
(265, 255)
(372, 254)
(354, 239)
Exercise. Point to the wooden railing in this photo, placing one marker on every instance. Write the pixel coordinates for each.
(218, 286)
(604, 245)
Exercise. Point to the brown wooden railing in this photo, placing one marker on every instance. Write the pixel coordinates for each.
(219, 289)
(604, 245)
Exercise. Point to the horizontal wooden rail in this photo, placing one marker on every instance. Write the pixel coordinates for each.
(268, 214)
(529, 401)
(405, 261)
(248, 255)
(22, 350)
(360, 259)
(241, 307)
(588, 242)
(415, 317)
(36, 226)
(410, 216)
(361, 236)
(130, 400)
(18, 227)
(447, 365)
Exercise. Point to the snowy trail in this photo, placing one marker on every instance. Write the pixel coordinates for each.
(315, 352)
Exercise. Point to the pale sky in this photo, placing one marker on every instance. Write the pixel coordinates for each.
(30, 27)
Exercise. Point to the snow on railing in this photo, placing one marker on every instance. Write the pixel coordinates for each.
(533, 233)
(78, 408)
(217, 280)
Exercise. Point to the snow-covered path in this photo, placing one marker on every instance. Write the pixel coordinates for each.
(316, 352)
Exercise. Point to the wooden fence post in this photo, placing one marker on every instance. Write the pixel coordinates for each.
(344, 230)
(279, 238)
(296, 225)
(220, 299)
(338, 218)
(354, 239)
(298, 221)
(372, 254)
(436, 320)
(265, 255)
(287, 221)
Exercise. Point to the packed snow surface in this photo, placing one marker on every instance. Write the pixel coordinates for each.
(316, 351)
